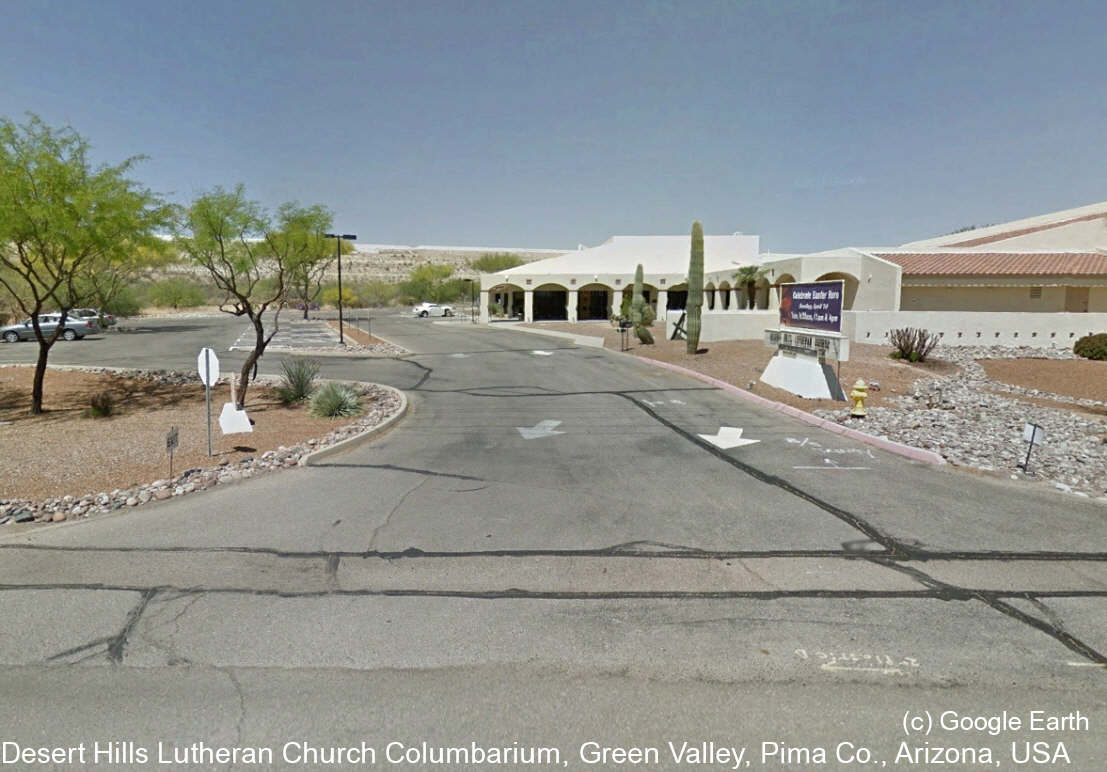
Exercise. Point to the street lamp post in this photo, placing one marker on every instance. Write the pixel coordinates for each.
(472, 300)
(338, 248)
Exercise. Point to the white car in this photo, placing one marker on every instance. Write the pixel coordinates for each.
(432, 309)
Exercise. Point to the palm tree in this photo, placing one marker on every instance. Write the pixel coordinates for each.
(747, 276)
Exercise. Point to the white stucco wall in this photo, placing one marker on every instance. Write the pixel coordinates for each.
(961, 328)
(728, 325)
(956, 328)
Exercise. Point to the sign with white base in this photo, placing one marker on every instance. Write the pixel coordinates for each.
(234, 421)
(800, 363)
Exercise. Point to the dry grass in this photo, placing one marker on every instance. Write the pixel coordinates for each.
(63, 452)
(1080, 378)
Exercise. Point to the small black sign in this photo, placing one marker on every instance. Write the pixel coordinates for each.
(172, 440)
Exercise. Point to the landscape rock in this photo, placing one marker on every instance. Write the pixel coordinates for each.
(974, 421)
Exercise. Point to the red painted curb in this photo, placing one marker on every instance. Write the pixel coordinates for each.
(916, 454)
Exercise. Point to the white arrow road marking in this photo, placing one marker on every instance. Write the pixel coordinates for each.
(542, 353)
(539, 430)
(728, 437)
(459, 355)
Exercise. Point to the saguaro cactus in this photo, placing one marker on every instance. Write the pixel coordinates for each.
(641, 315)
(694, 305)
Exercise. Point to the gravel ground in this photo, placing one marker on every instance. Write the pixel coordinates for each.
(977, 421)
(62, 463)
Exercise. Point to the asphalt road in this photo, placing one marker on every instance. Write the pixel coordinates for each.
(546, 552)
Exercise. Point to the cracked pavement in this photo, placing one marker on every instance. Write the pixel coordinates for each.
(624, 581)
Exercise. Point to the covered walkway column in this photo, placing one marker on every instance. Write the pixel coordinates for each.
(774, 296)
(571, 307)
(616, 302)
(734, 299)
(662, 303)
(528, 305)
(510, 304)
(484, 306)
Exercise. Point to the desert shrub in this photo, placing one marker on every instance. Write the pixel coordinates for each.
(125, 302)
(374, 294)
(176, 292)
(912, 344)
(101, 404)
(494, 262)
(329, 297)
(495, 309)
(298, 381)
(335, 400)
(1092, 346)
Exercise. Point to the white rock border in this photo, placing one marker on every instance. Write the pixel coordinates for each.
(390, 406)
(976, 422)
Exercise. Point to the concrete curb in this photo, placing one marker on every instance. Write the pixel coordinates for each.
(580, 340)
(311, 459)
(916, 454)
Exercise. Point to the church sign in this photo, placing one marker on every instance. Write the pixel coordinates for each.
(813, 306)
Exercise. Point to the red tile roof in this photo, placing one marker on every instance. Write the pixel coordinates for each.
(999, 263)
(982, 240)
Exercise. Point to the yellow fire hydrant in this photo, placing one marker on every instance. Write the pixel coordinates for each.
(858, 395)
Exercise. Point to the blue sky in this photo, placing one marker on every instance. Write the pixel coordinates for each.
(547, 124)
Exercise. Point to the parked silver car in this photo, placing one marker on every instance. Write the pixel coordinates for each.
(74, 328)
(103, 320)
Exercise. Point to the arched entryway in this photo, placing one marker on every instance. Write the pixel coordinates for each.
(593, 302)
(677, 298)
(849, 287)
(506, 300)
(724, 296)
(551, 303)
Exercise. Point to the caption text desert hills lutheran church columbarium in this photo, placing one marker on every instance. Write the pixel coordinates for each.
(1041, 281)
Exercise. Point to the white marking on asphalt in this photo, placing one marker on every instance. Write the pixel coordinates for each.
(539, 430)
(832, 465)
(542, 353)
(1084, 664)
(728, 437)
(459, 355)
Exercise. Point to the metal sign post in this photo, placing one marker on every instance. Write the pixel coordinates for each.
(172, 441)
(1031, 433)
(207, 364)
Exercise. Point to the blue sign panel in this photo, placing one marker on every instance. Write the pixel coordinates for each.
(814, 306)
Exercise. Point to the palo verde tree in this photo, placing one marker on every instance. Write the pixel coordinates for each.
(694, 304)
(641, 315)
(303, 228)
(747, 277)
(62, 221)
(250, 258)
(111, 277)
